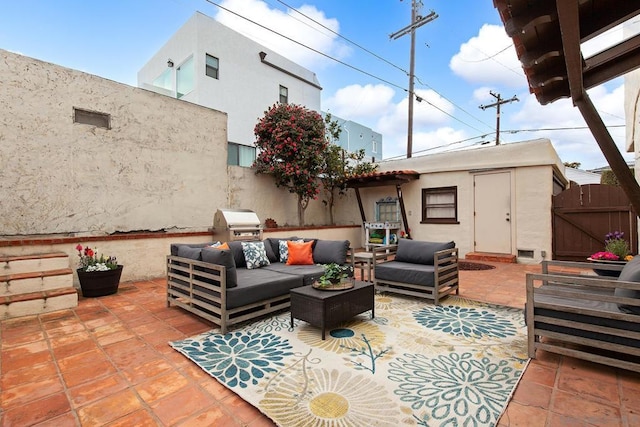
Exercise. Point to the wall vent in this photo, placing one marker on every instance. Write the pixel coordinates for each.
(94, 118)
(523, 253)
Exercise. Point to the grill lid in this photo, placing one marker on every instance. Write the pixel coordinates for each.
(236, 218)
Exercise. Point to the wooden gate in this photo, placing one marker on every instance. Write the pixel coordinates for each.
(583, 215)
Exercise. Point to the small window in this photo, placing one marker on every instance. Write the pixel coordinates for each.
(94, 118)
(241, 155)
(440, 205)
(213, 66)
(284, 95)
(374, 146)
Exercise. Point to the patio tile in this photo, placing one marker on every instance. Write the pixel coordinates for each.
(37, 411)
(214, 416)
(519, 415)
(532, 394)
(109, 409)
(180, 405)
(137, 373)
(160, 387)
(600, 388)
(30, 391)
(96, 389)
(141, 418)
(28, 374)
(579, 407)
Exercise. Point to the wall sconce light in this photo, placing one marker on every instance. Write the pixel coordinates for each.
(169, 63)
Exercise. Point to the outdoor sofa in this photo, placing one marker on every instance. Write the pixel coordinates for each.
(596, 318)
(221, 286)
(417, 268)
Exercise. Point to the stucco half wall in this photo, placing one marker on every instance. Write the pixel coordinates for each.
(536, 173)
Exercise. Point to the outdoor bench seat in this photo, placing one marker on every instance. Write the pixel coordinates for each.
(217, 285)
(596, 318)
(417, 268)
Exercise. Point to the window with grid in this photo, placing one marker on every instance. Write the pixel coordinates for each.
(284, 95)
(440, 205)
(212, 67)
(240, 155)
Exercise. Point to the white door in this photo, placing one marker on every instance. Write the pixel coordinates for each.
(492, 212)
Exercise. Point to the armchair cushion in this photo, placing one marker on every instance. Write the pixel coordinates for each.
(418, 252)
(630, 273)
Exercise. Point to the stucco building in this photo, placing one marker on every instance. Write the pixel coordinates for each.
(209, 64)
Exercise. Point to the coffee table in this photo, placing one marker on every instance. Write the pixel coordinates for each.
(323, 308)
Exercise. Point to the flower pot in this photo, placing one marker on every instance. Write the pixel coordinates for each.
(99, 283)
(607, 273)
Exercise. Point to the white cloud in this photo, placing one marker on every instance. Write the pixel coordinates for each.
(357, 102)
(290, 24)
(489, 58)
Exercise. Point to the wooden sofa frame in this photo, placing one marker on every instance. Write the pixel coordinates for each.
(586, 292)
(446, 280)
(182, 279)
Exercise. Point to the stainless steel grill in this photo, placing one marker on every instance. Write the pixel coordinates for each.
(237, 224)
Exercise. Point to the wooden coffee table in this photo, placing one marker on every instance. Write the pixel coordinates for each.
(322, 308)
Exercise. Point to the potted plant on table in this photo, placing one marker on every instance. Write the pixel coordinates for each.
(334, 274)
(616, 251)
(99, 275)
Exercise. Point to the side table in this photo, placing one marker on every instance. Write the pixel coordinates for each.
(364, 262)
(328, 308)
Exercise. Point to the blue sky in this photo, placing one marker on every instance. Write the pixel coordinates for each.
(460, 57)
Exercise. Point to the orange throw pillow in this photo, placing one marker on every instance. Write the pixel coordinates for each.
(223, 246)
(300, 253)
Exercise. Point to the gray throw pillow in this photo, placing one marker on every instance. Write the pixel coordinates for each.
(418, 252)
(630, 273)
(328, 251)
(268, 245)
(238, 254)
(225, 258)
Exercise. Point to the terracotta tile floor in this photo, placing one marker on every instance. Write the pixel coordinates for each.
(107, 362)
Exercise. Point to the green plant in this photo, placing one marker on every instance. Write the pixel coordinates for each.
(90, 261)
(291, 143)
(334, 273)
(615, 243)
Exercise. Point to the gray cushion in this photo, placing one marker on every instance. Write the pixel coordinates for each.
(268, 246)
(225, 258)
(260, 284)
(185, 251)
(173, 249)
(328, 251)
(396, 271)
(309, 273)
(630, 273)
(238, 254)
(418, 252)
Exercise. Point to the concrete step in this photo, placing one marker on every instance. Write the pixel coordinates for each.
(38, 302)
(22, 283)
(37, 262)
(490, 256)
(36, 284)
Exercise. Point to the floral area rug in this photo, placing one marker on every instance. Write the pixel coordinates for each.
(414, 364)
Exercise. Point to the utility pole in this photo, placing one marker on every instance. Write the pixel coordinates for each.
(497, 104)
(416, 22)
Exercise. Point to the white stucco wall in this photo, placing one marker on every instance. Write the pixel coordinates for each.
(162, 165)
(532, 165)
(246, 87)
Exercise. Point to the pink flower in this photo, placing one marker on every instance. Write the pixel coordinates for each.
(605, 256)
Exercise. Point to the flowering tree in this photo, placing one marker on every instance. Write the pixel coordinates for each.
(338, 166)
(291, 142)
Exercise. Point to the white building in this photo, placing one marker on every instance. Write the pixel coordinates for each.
(212, 65)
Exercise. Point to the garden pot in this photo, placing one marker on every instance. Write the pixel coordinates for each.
(607, 273)
(99, 283)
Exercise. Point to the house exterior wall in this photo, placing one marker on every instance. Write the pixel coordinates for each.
(354, 137)
(246, 87)
(160, 159)
(534, 167)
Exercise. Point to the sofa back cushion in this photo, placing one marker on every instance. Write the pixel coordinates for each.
(630, 273)
(222, 257)
(238, 254)
(419, 252)
(185, 251)
(328, 251)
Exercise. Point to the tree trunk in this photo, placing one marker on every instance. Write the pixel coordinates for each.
(331, 202)
(302, 206)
